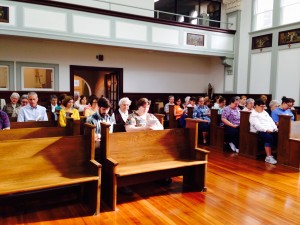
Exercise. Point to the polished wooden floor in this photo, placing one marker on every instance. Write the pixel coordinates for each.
(240, 191)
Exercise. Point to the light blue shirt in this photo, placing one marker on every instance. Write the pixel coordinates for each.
(279, 111)
(28, 113)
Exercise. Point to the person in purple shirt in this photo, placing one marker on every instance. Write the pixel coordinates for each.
(231, 120)
(4, 121)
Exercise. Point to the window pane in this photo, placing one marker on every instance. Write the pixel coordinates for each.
(264, 20)
(290, 14)
(38, 78)
(288, 2)
(4, 71)
(263, 6)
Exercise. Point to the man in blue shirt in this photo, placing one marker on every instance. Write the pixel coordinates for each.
(32, 111)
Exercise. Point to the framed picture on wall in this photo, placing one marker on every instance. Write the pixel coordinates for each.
(289, 37)
(263, 41)
(195, 39)
(4, 14)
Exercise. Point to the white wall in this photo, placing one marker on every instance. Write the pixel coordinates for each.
(288, 74)
(260, 73)
(144, 71)
(109, 5)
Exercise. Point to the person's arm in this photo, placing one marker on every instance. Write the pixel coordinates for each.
(155, 126)
(75, 114)
(225, 120)
(166, 108)
(254, 121)
(21, 116)
(44, 115)
(113, 119)
(6, 122)
(62, 118)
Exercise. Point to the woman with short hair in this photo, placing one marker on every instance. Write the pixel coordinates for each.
(68, 111)
(11, 108)
(142, 120)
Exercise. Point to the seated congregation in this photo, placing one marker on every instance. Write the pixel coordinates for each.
(246, 126)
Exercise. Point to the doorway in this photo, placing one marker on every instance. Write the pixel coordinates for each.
(101, 81)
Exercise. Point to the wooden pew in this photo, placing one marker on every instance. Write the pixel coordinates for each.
(145, 156)
(216, 131)
(248, 141)
(173, 123)
(160, 117)
(288, 152)
(38, 132)
(29, 166)
(190, 112)
(15, 125)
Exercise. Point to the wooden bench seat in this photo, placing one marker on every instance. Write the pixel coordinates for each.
(31, 165)
(139, 157)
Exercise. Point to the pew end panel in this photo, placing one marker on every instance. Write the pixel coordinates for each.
(48, 164)
(288, 142)
(216, 131)
(138, 157)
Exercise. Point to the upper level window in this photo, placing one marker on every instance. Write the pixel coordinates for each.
(289, 11)
(263, 14)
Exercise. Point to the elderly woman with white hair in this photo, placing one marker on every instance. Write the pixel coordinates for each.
(249, 105)
(120, 116)
(11, 107)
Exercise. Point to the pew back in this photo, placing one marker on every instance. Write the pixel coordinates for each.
(28, 165)
(150, 146)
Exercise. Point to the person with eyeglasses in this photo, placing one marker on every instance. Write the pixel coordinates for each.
(92, 107)
(142, 120)
(262, 124)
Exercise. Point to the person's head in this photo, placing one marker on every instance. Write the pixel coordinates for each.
(217, 98)
(192, 100)
(53, 100)
(291, 103)
(285, 102)
(93, 101)
(243, 100)
(264, 98)
(207, 101)
(250, 103)
(103, 106)
(177, 101)
(143, 105)
(33, 99)
(61, 98)
(234, 101)
(82, 100)
(259, 105)
(68, 102)
(274, 104)
(14, 98)
(24, 100)
(187, 100)
(200, 101)
(171, 99)
(222, 102)
(124, 104)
